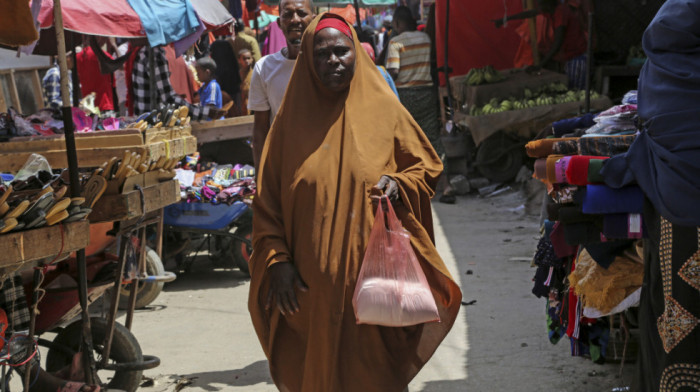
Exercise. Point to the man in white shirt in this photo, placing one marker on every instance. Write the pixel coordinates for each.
(271, 74)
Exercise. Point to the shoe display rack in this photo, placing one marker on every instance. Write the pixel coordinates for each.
(50, 243)
(219, 130)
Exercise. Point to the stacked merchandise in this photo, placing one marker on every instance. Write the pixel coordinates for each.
(215, 184)
(589, 258)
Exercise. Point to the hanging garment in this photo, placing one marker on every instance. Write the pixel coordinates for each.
(16, 23)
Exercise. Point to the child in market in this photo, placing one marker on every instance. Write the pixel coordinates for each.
(210, 91)
(246, 62)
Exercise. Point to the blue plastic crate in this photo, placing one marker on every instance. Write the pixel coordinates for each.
(203, 215)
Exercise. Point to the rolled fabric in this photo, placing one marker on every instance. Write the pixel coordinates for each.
(624, 226)
(575, 215)
(601, 199)
(594, 167)
(560, 169)
(581, 233)
(541, 169)
(577, 170)
(551, 171)
(569, 125)
(605, 146)
(567, 146)
(543, 147)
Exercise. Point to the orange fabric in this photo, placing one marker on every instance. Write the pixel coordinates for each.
(181, 76)
(16, 23)
(543, 147)
(544, 26)
(321, 158)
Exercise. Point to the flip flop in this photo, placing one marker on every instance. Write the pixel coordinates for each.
(43, 202)
(18, 210)
(57, 217)
(4, 207)
(35, 220)
(58, 195)
(9, 225)
(77, 201)
(45, 190)
(60, 205)
(93, 190)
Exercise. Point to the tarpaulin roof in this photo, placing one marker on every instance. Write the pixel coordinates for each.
(474, 41)
(116, 18)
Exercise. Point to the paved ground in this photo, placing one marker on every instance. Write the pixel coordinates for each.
(200, 328)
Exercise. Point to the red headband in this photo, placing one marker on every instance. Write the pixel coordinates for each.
(336, 23)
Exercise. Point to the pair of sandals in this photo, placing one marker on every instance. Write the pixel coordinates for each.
(31, 208)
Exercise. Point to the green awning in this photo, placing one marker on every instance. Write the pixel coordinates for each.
(362, 3)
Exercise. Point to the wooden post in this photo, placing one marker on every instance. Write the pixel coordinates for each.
(38, 91)
(533, 34)
(69, 127)
(14, 95)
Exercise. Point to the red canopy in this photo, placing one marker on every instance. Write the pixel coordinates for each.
(474, 41)
(116, 18)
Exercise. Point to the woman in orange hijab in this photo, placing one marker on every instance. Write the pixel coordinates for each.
(340, 136)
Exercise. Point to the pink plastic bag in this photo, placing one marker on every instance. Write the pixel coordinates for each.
(392, 289)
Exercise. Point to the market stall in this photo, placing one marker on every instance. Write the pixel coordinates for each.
(501, 109)
(589, 256)
(119, 170)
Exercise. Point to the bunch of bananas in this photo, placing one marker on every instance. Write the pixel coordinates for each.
(488, 74)
(530, 101)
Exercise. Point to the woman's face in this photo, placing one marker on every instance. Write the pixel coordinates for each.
(334, 59)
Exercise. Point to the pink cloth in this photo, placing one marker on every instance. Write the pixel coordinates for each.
(560, 169)
(275, 40)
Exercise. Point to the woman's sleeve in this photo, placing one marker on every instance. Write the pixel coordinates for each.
(269, 239)
(417, 173)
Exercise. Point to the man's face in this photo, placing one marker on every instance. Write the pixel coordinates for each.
(245, 60)
(295, 15)
(334, 59)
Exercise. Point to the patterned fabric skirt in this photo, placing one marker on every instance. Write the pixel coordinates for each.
(422, 103)
(669, 310)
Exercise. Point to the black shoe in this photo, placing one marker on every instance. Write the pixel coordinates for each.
(447, 198)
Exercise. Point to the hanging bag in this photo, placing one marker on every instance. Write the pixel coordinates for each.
(392, 289)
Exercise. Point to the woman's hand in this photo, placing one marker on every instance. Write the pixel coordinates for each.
(389, 186)
(284, 279)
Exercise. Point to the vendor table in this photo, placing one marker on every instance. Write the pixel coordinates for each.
(135, 203)
(516, 80)
(95, 148)
(525, 122)
(227, 129)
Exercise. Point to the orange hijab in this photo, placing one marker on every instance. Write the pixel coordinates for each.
(324, 153)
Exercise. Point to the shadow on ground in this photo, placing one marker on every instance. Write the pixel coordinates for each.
(254, 374)
(205, 275)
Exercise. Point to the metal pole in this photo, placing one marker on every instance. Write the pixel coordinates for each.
(446, 67)
(69, 127)
(589, 62)
(32, 325)
(358, 22)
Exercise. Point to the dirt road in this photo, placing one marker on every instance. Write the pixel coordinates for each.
(200, 327)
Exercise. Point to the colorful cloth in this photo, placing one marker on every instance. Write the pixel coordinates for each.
(542, 148)
(141, 87)
(594, 167)
(577, 170)
(563, 127)
(94, 81)
(14, 302)
(166, 21)
(602, 199)
(409, 53)
(51, 84)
